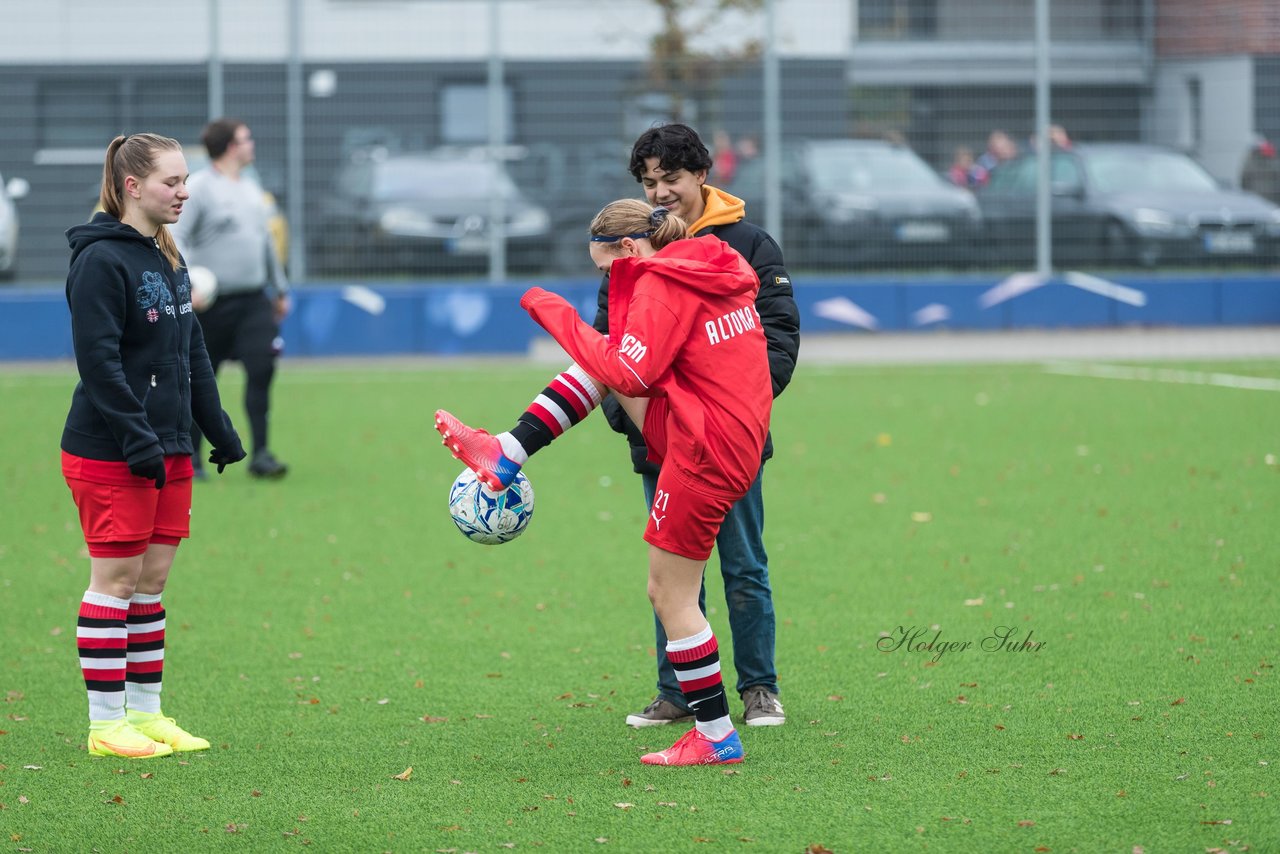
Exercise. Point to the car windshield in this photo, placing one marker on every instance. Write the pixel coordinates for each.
(415, 178)
(857, 169)
(1144, 171)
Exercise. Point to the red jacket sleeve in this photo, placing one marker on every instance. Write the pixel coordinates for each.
(631, 366)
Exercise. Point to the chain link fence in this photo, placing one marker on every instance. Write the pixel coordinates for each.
(427, 139)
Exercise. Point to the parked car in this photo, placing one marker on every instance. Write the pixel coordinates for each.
(425, 212)
(15, 189)
(863, 203)
(1123, 204)
(573, 181)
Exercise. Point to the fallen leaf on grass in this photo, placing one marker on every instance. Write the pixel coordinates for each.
(624, 806)
(1026, 822)
(1075, 736)
(1179, 701)
(23, 799)
(815, 848)
(403, 775)
(432, 719)
(1220, 821)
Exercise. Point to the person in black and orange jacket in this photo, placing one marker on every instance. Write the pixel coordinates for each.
(671, 164)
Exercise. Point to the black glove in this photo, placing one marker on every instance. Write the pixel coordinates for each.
(152, 468)
(223, 457)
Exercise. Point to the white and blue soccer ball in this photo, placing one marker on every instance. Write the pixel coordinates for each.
(489, 517)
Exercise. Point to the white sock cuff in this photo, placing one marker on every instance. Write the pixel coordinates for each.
(512, 449)
(145, 599)
(689, 643)
(105, 601)
(589, 384)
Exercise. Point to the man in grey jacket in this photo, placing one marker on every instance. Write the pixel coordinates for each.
(224, 227)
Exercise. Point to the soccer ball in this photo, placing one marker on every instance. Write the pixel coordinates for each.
(489, 517)
(204, 287)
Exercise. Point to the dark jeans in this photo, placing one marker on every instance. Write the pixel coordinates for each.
(745, 568)
(243, 327)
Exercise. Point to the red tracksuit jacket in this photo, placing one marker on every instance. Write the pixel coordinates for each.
(682, 326)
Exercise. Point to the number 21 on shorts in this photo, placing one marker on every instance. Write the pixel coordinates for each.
(659, 509)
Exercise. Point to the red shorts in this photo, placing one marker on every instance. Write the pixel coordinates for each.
(686, 513)
(120, 513)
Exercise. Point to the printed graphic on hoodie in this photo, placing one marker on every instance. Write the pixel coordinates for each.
(154, 296)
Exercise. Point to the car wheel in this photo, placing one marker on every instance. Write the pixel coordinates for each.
(1121, 245)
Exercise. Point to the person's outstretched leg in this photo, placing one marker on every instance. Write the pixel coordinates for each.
(497, 460)
(674, 582)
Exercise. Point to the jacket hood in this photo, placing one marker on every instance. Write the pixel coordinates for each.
(103, 226)
(720, 208)
(705, 264)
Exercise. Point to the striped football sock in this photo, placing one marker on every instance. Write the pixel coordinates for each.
(697, 664)
(567, 400)
(102, 639)
(145, 653)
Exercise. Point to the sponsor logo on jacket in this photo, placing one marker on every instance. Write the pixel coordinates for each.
(732, 324)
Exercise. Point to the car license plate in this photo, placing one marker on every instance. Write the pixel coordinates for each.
(1228, 242)
(923, 232)
(472, 244)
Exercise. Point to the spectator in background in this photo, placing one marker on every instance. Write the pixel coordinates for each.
(1261, 171)
(724, 159)
(1000, 148)
(1057, 136)
(961, 169)
(224, 228)
(748, 148)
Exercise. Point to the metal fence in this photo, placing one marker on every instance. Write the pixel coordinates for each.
(421, 139)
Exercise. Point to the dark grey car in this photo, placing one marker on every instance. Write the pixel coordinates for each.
(424, 213)
(851, 203)
(1124, 204)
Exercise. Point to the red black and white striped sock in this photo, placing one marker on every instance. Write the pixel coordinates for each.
(697, 664)
(567, 400)
(145, 653)
(102, 639)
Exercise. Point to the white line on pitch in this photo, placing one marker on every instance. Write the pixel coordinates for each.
(1162, 375)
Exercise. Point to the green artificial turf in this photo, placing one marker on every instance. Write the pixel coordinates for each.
(330, 631)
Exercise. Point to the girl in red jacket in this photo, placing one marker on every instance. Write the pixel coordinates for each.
(686, 357)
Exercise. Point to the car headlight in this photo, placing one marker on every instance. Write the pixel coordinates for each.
(406, 221)
(1273, 223)
(530, 221)
(1153, 221)
(853, 209)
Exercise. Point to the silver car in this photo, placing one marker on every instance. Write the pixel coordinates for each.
(10, 192)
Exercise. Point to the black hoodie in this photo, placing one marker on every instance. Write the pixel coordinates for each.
(144, 371)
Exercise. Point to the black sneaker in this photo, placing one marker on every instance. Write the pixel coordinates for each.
(761, 707)
(659, 713)
(265, 464)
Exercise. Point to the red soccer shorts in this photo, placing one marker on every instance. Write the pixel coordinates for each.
(121, 513)
(686, 513)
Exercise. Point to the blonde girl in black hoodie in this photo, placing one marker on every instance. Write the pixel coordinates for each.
(144, 375)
